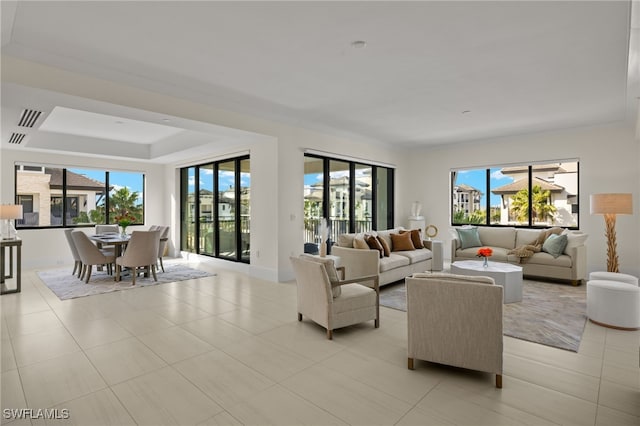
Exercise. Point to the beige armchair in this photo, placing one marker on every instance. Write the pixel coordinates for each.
(90, 254)
(331, 302)
(141, 252)
(455, 320)
(77, 265)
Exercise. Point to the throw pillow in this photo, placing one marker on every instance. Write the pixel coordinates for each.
(416, 238)
(360, 243)
(330, 267)
(574, 239)
(555, 244)
(385, 247)
(374, 244)
(401, 242)
(468, 237)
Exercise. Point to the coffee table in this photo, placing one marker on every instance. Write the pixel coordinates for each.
(505, 274)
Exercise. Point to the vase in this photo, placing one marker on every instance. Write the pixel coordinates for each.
(124, 232)
(486, 262)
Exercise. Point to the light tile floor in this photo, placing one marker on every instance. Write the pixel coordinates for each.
(228, 350)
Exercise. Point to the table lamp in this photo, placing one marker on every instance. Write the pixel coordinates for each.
(8, 212)
(610, 205)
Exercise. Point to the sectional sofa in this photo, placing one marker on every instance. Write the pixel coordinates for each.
(569, 265)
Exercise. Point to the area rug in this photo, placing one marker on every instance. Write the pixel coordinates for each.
(552, 314)
(67, 286)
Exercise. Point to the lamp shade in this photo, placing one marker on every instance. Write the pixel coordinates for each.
(11, 211)
(611, 204)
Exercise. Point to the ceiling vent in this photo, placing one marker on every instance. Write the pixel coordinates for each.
(29, 117)
(17, 138)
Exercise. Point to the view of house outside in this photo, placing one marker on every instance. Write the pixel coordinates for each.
(554, 195)
(53, 196)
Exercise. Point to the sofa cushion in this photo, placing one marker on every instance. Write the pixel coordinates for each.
(543, 258)
(555, 244)
(400, 242)
(526, 236)
(386, 236)
(468, 237)
(497, 237)
(416, 237)
(374, 244)
(346, 240)
(386, 250)
(471, 253)
(415, 256)
(393, 261)
(574, 239)
(360, 243)
(353, 297)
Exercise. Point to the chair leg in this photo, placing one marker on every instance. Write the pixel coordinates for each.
(118, 267)
(161, 265)
(80, 270)
(88, 274)
(299, 316)
(134, 272)
(153, 271)
(377, 323)
(410, 363)
(329, 334)
(499, 381)
(75, 266)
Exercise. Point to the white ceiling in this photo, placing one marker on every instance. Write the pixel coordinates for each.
(431, 72)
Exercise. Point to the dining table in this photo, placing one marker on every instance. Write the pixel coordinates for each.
(119, 241)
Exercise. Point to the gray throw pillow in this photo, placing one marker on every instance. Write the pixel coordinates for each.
(468, 237)
(555, 244)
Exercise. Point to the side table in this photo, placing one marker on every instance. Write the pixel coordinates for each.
(10, 244)
(437, 248)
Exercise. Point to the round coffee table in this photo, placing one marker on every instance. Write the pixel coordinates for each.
(505, 274)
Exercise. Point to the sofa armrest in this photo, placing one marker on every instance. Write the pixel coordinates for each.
(455, 245)
(357, 262)
(579, 263)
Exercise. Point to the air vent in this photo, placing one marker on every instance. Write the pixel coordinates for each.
(17, 138)
(29, 117)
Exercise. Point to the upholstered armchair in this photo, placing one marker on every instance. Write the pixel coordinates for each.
(455, 320)
(331, 302)
(141, 252)
(90, 254)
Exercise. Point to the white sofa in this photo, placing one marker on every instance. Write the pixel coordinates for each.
(571, 265)
(395, 267)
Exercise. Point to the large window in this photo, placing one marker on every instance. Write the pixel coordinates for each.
(530, 195)
(215, 209)
(358, 198)
(64, 197)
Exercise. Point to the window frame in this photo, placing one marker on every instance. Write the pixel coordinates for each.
(530, 185)
(26, 166)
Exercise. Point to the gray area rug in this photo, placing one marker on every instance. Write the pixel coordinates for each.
(552, 314)
(67, 286)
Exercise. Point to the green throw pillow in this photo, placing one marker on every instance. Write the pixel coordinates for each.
(468, 237)
(555, 244)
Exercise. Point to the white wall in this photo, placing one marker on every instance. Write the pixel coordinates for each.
(609, 162)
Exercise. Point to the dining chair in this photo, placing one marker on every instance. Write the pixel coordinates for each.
(164, 239)
(77, 265)
(141, 252)
(107, 229)
(91, 255)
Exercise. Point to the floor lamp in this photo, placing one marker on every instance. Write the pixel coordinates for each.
(7, 213)
(611, 205)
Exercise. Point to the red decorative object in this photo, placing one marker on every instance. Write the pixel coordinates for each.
(484, 252)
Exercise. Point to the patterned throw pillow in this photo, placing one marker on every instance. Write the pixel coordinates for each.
(330, 267)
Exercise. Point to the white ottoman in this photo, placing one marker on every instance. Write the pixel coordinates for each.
(613, 304)
(613, 276)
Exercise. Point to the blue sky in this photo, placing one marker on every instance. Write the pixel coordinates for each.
(133, 181)
(477, 179)
(226, 179)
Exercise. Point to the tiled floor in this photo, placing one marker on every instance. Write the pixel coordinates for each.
(228, 350)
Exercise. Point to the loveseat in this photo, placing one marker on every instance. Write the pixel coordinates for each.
(515, 245)
(394, 263)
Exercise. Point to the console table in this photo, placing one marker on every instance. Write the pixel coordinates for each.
(9, 246)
